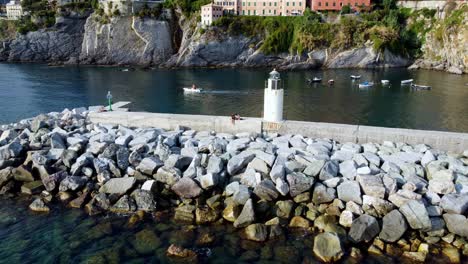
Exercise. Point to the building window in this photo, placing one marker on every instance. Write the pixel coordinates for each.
(255, 3)
(243, 12)
(275, 3)
(300, 3)
(334, 4)
(263, 12)
(287, 3)
(320, 4)
(248, 12)
(248, 3)
(355, 4)
(341, 3)
(255, 12)
(243, 3)
(294, 3)
(274, 11)
(326, 3)
(264, 3)
(269, 3)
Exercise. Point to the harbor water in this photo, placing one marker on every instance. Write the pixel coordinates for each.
(27, 90)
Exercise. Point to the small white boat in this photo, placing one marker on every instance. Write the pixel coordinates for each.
(366, 85)
(331, 82)
(125, 70)
(314, 80)
(407, 81)
(355, 77)
(192, 90)
(420, 87)
(385, 82)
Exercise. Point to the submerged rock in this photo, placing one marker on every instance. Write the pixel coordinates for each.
(327, 247)
(256, 232)
(39, 206)
(247, 215)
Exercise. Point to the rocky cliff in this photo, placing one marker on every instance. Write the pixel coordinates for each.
(126, 40)
(446, 45)
(60, 43)
(215, 48)
(178, 42)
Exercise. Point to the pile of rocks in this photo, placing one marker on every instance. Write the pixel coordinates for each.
(397, 198)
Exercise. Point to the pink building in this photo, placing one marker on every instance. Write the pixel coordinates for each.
(271, 7)
(210, 13)
(336, 5)
(229, 6)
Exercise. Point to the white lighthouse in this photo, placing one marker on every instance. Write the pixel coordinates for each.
(273, 102)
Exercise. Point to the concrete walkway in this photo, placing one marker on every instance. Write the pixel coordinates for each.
(448, 141)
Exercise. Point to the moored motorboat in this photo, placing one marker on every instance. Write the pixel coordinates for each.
(385, 82)
(331, 82)
(420, 87)
(192, 90)
(409, 81)
(314, 80)
(366, 84)
(355, 77)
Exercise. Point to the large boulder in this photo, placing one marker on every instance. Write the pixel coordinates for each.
(393, 226)
(266, 190)
(457, 224)
(118, 185)
(215, 165)
(350, 191)
(39, 206)
(322, 194)
(327, 247)
(144, 200)
(364, 228)
(238, 162)
(187, 188)
(124, 205)
(150, 165)
(375, 206)
(168, 175)
(455, 203)
(256, 232)
(329, 170)
(416, 214)
(372, 185)
(247, 215)
(299, 183)
(72, 183)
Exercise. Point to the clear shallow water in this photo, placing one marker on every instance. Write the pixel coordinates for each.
(70, 236)
(29, 89)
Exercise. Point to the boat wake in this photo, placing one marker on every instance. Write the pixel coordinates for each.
(225, 92)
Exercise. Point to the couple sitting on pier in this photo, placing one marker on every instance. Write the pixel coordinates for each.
(235, 117)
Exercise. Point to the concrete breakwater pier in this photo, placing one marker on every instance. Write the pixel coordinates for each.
(392, 199)
(448, 141)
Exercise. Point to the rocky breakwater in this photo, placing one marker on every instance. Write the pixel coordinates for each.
(390, 199)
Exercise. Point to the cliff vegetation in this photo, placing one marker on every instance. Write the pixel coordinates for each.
(386, 27)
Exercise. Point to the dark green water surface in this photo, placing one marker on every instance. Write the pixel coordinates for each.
(29, 89)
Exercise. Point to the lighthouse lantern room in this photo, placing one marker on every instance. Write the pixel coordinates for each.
(273, 102)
